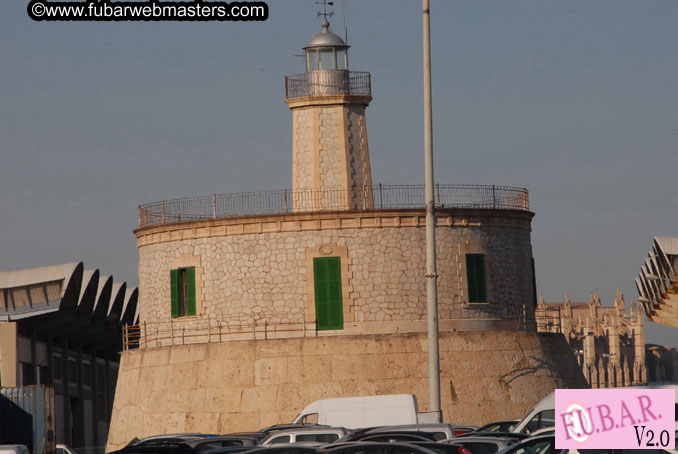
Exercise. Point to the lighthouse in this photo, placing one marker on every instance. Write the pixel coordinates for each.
(331, 162)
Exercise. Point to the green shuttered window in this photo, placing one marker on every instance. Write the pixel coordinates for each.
(182, 285)
(328, 300)
(475, 275)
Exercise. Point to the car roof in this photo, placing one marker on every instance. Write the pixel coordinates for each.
(528, 440)
(377, 448)
(292, 448)
(513, 435)
(251, 441)
(279, 427)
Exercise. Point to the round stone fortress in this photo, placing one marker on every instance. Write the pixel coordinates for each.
(253, 305)
(261, 268)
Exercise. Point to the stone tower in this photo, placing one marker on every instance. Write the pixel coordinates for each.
(331, 163)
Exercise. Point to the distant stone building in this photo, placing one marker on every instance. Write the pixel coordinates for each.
(608, 342)
(662, 363)
(253, 305)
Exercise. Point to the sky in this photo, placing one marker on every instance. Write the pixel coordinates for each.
(577, 101)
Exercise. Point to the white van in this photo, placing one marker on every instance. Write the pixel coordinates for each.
(544, 413)
(362, 411)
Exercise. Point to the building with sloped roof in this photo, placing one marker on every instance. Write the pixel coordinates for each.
(657, 282)
(61, 326)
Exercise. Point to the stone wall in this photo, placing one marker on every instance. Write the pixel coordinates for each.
(330, 151)
(246, 385)
(261, 268)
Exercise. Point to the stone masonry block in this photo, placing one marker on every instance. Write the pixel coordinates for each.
(269, 371)
(291, 397)
(155, 356)
(261, 398)
(188, 353)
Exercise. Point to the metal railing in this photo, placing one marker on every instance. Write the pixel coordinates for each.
(328, 83)
(379, 197)
(207, 331)
(148, 335)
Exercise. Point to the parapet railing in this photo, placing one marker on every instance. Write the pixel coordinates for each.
(320, 83)
(186, 332)
(379, 197)
(148, 335)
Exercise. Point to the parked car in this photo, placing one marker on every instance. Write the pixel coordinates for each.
(230, 450)
(278, 427)
(64, 449)
(395, 437)
(498, 426)
(205, 444)
(361, 447)
(288, 449)
(14, 449)
(313, 434)
(538, 444)
(155, 440)
(441, 448)
(256, 435)
(439, 431)
(483, 444)
(542, 415)
(166, 448)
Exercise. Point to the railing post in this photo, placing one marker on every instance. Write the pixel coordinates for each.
(285, 196)
(214, 205)
(163, 212)
(526, 200)
(494, 198)
(124, 337)
(438, 194)
(381, 198)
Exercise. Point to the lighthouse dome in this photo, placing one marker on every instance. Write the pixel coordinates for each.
(326, 38)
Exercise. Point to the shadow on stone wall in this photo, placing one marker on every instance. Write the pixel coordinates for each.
(246, 385)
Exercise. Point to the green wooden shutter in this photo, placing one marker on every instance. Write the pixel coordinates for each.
(328, 298)
(190, 289)
(174, 286)
(475, 275)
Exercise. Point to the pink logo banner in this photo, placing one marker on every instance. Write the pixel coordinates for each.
(615, 418)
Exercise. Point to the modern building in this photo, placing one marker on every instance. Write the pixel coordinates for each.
(657, 282)
(253, 305)
(61, 326)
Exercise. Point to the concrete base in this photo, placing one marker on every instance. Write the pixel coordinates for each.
(246, 385)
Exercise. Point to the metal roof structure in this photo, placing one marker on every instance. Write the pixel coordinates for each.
(657, 282)
(68, 302)
(326, 38)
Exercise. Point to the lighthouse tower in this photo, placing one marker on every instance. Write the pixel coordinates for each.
(331, 163)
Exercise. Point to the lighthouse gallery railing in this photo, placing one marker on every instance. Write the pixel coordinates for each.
(380, 197)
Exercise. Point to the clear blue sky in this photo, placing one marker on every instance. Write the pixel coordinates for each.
(575, 100)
